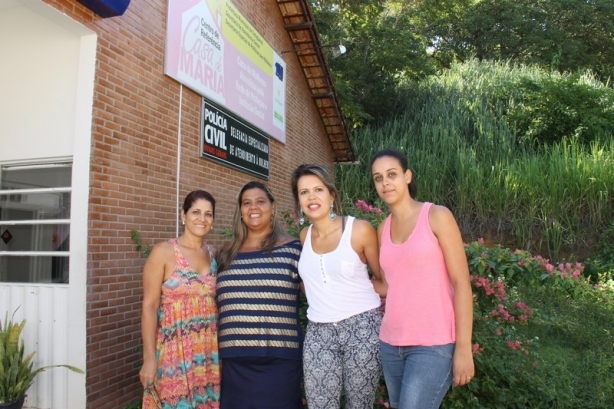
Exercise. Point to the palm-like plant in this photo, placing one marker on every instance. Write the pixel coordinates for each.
(16, 369)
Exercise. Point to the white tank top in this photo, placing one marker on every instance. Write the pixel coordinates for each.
(337, 284)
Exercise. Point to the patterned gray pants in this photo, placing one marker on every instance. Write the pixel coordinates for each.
(343, 356)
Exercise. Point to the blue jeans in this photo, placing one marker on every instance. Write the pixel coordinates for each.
(417, 377)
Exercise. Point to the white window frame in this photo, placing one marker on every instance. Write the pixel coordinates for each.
(36, 222)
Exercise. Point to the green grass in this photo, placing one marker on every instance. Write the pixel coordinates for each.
(465, 153)
(576, 355)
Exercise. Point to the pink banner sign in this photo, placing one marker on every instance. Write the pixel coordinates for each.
(212, 49)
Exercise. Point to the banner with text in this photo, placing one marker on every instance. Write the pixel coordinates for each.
(227, 139)
(212, 49)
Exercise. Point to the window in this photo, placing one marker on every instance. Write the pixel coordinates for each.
(35, 223)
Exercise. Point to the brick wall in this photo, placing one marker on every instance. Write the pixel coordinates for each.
(134, 169)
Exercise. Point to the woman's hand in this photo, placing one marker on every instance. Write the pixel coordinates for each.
(148, 373)
(462, 366)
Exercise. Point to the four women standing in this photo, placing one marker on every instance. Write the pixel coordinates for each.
(425, 337)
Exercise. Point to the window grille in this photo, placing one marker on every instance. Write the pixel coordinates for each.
(35, 222)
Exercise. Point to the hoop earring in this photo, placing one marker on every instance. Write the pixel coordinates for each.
(301, 218)
(332, 215)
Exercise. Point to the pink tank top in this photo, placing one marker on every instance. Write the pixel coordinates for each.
(419, 305)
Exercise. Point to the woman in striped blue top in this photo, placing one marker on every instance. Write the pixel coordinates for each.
(260, 338)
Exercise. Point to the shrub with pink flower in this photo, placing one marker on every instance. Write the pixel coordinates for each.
(502, 355)
(365, 211)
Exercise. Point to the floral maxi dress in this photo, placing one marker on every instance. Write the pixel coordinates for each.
(186, 343)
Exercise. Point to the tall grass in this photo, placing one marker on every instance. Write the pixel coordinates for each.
(464, 155)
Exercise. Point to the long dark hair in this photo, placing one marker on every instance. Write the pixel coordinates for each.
(393, 153)
(239, 231)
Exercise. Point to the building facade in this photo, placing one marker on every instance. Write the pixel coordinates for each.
(97, 143)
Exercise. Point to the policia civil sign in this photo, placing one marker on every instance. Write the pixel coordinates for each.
(233, 142)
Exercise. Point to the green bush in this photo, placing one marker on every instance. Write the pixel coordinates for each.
(505, 357)
(461, 133)
(576, 326)
(567, 334)
(552, 108)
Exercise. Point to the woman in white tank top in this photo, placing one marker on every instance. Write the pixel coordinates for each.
(341, 349)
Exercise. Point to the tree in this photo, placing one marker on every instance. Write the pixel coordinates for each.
(566, 35)
(392, 42)
(383, 50)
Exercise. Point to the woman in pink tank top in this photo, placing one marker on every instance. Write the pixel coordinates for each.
(425, 337)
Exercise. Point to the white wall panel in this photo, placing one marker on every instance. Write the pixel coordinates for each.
(46, 94)
(38, 80)
(45, 310)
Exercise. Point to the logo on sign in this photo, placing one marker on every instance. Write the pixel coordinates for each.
(279, 71)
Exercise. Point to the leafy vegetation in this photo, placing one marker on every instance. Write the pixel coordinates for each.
(542, 329)
(17, 371)
(460, 134)
(141, 247)
(561, 35)
(391, 42)
(383, 48)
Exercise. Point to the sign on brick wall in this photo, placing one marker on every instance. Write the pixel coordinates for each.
(233, 142)
(214, 50)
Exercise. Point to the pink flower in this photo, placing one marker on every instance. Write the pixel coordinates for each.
(380, 401)
(477, 349)
(575, 274)
(498, 332)
(521, 263)
(514, 345)
(500, 290)
(481, 240)
(362, 205)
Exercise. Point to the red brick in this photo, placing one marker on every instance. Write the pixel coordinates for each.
(133, 172)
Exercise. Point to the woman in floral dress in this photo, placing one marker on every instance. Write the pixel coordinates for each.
(179, 320)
